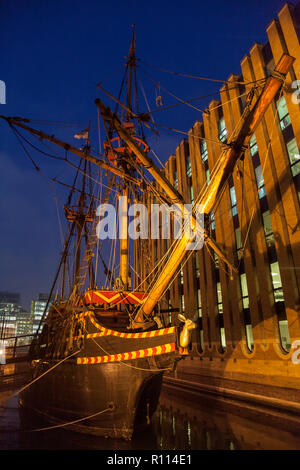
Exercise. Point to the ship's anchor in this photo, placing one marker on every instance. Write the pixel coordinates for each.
(185, 335)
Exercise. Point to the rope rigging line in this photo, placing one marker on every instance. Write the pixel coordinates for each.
(239, 82)
(44, 373)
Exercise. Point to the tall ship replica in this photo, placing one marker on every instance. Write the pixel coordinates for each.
(98, 358)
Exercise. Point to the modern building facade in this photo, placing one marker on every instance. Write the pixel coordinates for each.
(248, 322)
(14, 319)
(37, 310)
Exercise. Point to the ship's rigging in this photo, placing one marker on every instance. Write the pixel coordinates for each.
(127, 158)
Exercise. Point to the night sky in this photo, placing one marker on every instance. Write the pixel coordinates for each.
(52, 55)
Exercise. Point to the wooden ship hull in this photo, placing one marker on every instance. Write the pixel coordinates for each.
(115, 378)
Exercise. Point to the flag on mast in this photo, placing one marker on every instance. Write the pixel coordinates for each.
(83, 134)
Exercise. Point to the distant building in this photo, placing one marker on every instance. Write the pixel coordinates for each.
(9, 310)
(14, 320)
(37, 310)
(24, 323)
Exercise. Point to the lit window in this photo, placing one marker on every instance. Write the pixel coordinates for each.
(222, 130)
(203, 150)
(212, 221)
(192, 194)
(260, 182)
(197, 265)
(284, 334)
(188, 167)
(253, 145)
(268, 228)
(294, 156)
(199, 303)
(244, 289)
(249, 336)
(276, 281)
(219, 298)
(233, 201)
(207, 174)
(223, 338)
(283, 113)
(175, 180)
(238, 241)
(182, 303)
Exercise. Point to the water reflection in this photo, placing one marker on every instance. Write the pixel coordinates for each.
(180, 426)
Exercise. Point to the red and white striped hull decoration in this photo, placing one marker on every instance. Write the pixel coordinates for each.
(113, 297)
(156, 351)
(146, 334)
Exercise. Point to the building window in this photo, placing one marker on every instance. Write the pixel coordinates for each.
(222, 130)
(155, 253)
(203, 150)
(244, 290)
(253, 145)
(276, 281)
(192, 194)
(188, 167)
(233, 201)
(212, 221)
(219, 298)
(197, 266)
(199, 303)
(238, 241)
(260, 182)
(182, 303)
(207, 175)
(200, 325)
(181, 275)
(294, 156)
(283, 114)
(268, 228)
(175, 180)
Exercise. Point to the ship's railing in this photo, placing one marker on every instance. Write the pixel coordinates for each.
(16, 347)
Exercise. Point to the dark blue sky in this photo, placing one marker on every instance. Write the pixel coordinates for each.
(52, 55)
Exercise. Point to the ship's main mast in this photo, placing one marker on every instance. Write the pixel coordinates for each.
(216, 185)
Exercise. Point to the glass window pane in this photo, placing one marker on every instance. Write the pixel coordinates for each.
(282, 108)
(223, 338)
(238, 238)
(278, 295)
(296, 168)
(267, 222)
(207, 174)
(284, 334)
(188, 166)
(232, 196)
(192, 195)
(275, 274)
(253, 145)
(219, 292)
(222, 129)
(293, 151)
(203, 150)
(244, 286)
(249, 336)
